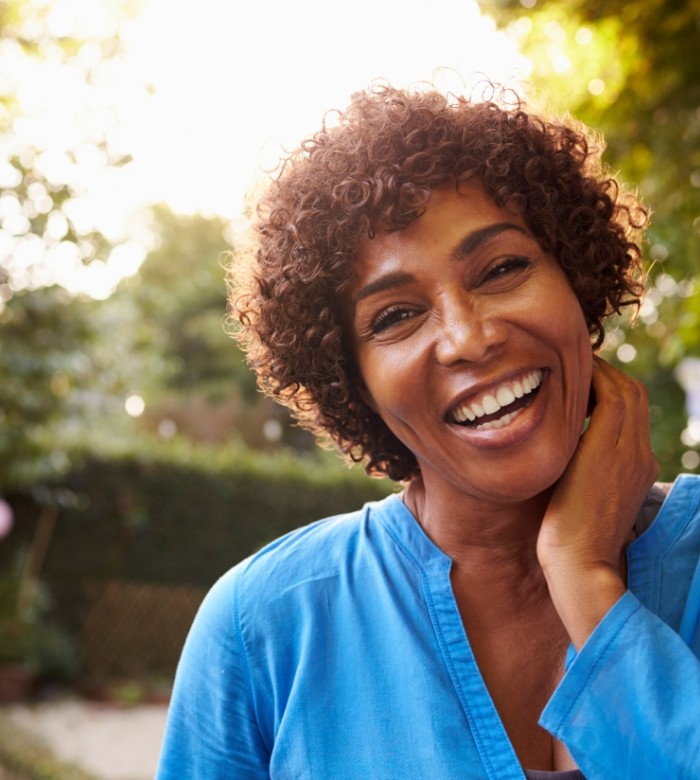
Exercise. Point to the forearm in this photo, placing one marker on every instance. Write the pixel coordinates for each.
(583, 596)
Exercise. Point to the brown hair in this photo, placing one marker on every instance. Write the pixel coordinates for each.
(372, 170)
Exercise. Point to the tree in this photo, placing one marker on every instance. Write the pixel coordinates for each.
(55, 132)
(193, 377)
(51, 361)
(40, 380)
(179, 296)
(632, 70)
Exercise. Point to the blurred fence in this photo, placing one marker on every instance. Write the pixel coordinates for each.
(134, 629)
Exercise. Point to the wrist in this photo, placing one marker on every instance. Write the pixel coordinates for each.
(583, 596)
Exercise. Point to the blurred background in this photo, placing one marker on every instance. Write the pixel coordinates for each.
(137, 460)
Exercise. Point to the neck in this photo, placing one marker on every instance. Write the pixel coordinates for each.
(489, 540)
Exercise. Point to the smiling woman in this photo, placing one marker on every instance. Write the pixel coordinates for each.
(451, 314)
(374, 173)
(428, 291)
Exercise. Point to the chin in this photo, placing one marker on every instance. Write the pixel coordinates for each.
(527, 484)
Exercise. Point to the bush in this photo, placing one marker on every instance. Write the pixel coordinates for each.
(180, 514)
(27, 636)
(187, 515)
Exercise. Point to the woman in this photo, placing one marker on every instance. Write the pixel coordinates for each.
(429, 290)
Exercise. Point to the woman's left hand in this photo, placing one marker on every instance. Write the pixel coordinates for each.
(595, 503)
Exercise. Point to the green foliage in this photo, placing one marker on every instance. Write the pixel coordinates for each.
(15, 623)
(44, 219)
(179, 303)
(28, 636)
(44, 364)
(54, 373)
(183, 513)
(189, 371)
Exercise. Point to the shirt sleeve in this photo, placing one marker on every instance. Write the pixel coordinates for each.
(629, 703)
(212, 732)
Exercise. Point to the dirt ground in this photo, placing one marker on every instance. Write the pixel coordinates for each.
(111, 742)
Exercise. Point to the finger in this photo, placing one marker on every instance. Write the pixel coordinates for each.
(631, 404)
(621, 395)
(608, 410)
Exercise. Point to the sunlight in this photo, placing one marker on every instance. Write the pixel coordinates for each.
(236, 82)
(203, 99)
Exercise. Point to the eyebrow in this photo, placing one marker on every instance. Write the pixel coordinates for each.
(396, 279)
(467, 246)
(474, 240)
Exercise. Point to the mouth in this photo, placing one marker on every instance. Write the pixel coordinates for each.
(499, 406)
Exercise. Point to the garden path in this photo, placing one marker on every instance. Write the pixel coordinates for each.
(111, 742)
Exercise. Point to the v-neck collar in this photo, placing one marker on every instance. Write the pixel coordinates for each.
(492, 741)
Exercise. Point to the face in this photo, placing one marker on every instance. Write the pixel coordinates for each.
(472, 347)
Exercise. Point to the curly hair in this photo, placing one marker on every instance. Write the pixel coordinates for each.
(373, 169)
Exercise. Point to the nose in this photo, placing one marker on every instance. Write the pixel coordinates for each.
(468, 332)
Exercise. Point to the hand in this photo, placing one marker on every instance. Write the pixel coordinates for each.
(592, 510)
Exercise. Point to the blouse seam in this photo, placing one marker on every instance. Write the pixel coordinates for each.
(471, 720)
(238, 635)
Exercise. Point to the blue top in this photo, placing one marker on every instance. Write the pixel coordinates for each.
(338, 652)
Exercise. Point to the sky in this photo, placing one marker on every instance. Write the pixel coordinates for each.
(203, 98)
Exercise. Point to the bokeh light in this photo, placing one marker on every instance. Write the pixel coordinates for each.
(134, 406)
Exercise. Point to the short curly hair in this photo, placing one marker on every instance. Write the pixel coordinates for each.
(373, 169)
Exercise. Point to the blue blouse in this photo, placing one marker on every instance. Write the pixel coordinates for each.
(338, 652)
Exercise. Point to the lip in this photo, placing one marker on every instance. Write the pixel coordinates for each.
(517, 429)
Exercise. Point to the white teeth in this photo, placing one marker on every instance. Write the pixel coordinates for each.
(492, 402)
(500, 422)
(505, 396)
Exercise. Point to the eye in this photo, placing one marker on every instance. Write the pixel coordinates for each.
(505, 267)
(389, 317)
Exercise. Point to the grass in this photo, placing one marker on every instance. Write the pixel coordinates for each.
(23, 757)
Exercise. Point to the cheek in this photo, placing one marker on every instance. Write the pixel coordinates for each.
(393, 384)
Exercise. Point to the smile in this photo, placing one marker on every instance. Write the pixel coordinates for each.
(500, 406)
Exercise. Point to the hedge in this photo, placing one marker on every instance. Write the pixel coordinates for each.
(172, 522)
(178, 514)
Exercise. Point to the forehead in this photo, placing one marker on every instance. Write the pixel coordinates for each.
(450, 216)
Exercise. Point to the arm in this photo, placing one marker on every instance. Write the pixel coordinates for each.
(592, 510)
(212, 732)
(629, 704)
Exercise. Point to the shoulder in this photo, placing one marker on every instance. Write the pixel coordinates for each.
(321, 545)
(323, 550)
(277, 586)
(683, 500)
(680, 497)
